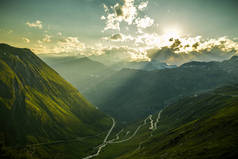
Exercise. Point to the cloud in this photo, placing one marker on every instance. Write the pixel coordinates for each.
(129, 38)
(152, 47)
(111, 55)
(123, 15)
(26, 40)
(125, 12)
(118, 10)
(65, 45)
(185, 44)
(144, 22)
(180, 49)
(142, 5)
(188, 49)
(37, 24)
(116, 37)
(168, 55)
(119, 37)
(70, 44)
(129, 11)
(112, 23)
(170, 48)
(47, 38)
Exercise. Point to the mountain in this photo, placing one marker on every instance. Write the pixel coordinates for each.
(142, 65)
(196, 127)
(82, 72)
(129, 95)
(38, 106)
(85, 73)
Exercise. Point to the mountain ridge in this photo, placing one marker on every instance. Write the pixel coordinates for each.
(38, 105)
(202, 126)
(148, 92)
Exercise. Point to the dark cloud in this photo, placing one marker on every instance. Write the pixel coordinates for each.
(169, 56)
(116, 37)
(195, 46)
(118, 10)
(176, 45)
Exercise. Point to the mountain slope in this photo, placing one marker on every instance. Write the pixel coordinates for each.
(38, 105)
(129, 95)
(83, 72)
(196, 128)
(142, 65)
(200, 127)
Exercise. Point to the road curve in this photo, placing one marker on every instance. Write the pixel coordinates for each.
(135, 132)
(157, 120)
(105, 142)
(153, 126)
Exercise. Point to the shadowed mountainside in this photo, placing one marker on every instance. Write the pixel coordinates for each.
(82, 73)
(199, 127)
(129, 95)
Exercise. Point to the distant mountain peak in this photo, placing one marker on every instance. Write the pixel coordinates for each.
(234, 58)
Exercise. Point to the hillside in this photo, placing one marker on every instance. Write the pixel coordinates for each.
(82, 73)
(85, 73)
(200, 127)
(38, 106)
(142, 65)
(129, 95)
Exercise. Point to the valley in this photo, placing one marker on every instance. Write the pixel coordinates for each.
(174, 135)
(118, 79)
(124, 90)
(63, 124)
(153, 126)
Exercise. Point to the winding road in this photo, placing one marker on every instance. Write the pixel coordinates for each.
(157, 119)
(153, 126)
(112, 141)
(105, 142)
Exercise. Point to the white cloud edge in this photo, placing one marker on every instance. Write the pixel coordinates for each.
(37, 24)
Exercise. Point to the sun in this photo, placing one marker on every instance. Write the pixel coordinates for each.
(172, 32)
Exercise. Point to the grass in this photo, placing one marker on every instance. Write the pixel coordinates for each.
(38, 105)
(202, 127)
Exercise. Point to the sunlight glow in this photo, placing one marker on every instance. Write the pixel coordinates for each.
(172, 32)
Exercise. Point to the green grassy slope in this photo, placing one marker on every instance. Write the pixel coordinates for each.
(198, 127)
(214, 137)
(38, 105)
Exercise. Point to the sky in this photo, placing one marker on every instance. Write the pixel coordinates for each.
(129, 29)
